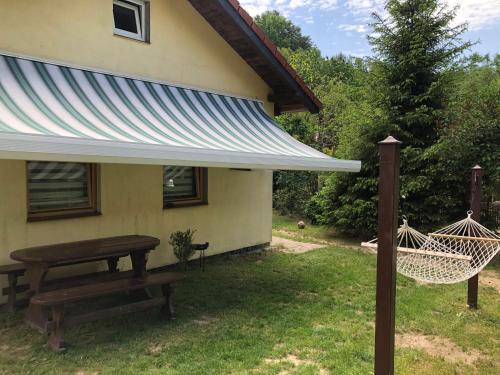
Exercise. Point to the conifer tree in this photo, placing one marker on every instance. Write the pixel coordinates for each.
(416, 47)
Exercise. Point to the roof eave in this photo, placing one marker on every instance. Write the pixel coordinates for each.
(299, 95)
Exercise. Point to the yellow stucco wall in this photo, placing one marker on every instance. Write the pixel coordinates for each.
(184, 49)
(238, 213)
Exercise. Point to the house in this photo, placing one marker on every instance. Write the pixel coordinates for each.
(136, 116)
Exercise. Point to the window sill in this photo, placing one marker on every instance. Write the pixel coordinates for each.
(135, 39)
(184, 204)
(61, 215)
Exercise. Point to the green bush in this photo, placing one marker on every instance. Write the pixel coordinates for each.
(419, 88)
(182, 243)
(292, 191)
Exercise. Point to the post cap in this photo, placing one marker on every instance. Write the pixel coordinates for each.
(389, 140)
(477, 166)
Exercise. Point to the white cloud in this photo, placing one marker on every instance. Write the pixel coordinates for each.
(359, 28)
(327, 4)
(309, 19)
(255, 7)
(478, 13)
(363, 7)
(360, 52)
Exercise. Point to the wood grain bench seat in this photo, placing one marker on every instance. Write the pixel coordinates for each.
(13, 272)
(16, 270)
(57, 299)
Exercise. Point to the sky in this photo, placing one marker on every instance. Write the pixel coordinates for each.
(342, 25)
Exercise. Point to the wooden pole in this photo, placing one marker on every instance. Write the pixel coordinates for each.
(475, 206)
(386, 256)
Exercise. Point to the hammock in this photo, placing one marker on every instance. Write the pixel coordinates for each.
(449, 255)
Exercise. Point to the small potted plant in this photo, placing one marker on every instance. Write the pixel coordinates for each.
(182, 242)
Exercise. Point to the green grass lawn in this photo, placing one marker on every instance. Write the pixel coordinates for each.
(269, 313)
(286, 227)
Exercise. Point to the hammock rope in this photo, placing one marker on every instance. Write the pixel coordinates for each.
(449, 255)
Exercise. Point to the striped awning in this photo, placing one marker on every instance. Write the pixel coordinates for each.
(58, 113)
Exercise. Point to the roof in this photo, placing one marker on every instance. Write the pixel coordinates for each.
(237, 27)
(58, 113)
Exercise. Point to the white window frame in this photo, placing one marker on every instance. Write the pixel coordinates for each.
(140, 19)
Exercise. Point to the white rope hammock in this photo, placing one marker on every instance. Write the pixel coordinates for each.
(449, 255)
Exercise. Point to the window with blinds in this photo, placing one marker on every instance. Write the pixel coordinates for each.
(58, 189)
(184, 186)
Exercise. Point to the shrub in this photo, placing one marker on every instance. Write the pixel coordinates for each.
(182, 242)
(292, 191)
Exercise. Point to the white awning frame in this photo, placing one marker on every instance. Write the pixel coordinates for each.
(52, 112)
(43, 148)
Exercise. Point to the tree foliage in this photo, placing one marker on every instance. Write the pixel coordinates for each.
(471, 136)
(419, 88)
(282, 31)
(416, 49)
(415, 46)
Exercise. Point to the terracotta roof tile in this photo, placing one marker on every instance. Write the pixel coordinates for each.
(248, 19)
(235, 4)
(257, 30)
(269, 44)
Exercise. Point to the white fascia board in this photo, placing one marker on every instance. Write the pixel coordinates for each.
(50, 148)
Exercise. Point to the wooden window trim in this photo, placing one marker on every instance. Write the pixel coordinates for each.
(201, 175)
(93, 208)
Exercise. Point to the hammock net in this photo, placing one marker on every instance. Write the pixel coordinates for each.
(450, 255)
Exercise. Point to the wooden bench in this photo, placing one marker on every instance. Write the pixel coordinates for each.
(16, 270)
(57, 300)
(13, 272)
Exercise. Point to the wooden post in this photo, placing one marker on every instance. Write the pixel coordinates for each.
(386, 256)
(475, 206)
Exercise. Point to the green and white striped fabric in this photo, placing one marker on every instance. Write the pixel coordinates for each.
(57, 113)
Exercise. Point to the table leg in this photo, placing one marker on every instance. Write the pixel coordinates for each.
(11, 302)
(56, 339)
(35, 315)
(168, 309)
(112, 264)
(139, 260)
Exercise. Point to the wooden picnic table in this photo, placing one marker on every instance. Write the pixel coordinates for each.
(39, 259)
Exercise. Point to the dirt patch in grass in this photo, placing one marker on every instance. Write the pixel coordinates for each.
(296, 362)
(348, 244)
(421, 282)
(437, 347)
(15, 351)
(490, 278)
(289, 246)
(205, 320)
(155, 349)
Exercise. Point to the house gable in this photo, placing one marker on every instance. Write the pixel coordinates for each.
(184, 49)
(234, 24)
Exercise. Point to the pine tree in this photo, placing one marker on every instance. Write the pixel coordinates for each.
(416, 46)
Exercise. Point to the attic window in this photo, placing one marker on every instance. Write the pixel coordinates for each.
(131, 18)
